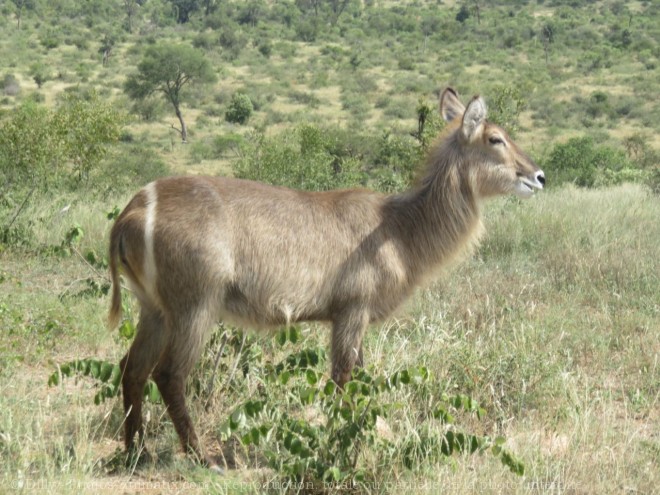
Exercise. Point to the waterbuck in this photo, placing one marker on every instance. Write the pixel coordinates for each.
(195, 250)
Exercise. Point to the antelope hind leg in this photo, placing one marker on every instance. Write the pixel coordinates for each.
(188, 336)
(136, 366)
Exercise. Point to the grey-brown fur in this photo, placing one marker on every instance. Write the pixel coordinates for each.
(264, 256)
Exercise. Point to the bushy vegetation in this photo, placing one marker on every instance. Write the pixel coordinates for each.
(583, 162)
(240, 109)
(546, 337)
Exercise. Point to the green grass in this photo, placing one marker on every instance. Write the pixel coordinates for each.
(552, 326)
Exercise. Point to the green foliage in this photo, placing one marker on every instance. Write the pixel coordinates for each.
(504, 107)
(306, 159)
(107, 376)
(40, 73)
(232, 40)
(131, 164)
(654, 180)
(40, 147)
(345, 423)
(240, 109)
(30, 149)
(10, 85)
(167, 68)
(88, 126)
(183, 9)
(585, 163)
(398, 158)
(463, 14)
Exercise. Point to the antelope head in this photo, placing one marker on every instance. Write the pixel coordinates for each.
(496, 164)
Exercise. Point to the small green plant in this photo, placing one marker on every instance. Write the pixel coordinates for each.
(326, 450)
(107, 375)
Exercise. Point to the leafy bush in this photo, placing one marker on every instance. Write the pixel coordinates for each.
(108, 374)
(305, 159)
(232, 40)
(51, 39)
(265, 47)
(240, 109)
(504, 107)
(132, 165)
(307, 29)
(10, 85)
(583, 162)
(226, 142)
(149, 109)
(325, 450)
(205, 41)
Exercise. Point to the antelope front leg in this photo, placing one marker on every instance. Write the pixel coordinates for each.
(347, 332)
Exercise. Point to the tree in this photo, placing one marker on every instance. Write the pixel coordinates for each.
(463, 14)
(547, 37)
(184, 8)
(107, 45)
(333, 8)
(166, 69)
(131, 7)
(337, 6)
(20, 4)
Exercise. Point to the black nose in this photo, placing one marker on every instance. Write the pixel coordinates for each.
(540, 177)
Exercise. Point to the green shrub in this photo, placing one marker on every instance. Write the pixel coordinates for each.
(307, 29)
(205, 41)
(265, 47)
(226, 142)
(51, 39)
(327, 452)
(149, 109)
(304, 159)
(10, 85)
(200, 150)
(406, 63)
(240, 109)
(134, 165)
(583, 162)
(232, 40)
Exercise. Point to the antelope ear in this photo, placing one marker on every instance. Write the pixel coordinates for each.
(474, 118)
(450, 106)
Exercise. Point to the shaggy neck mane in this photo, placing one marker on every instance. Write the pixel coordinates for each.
(439, 219)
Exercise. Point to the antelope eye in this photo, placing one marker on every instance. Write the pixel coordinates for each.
(495, 140)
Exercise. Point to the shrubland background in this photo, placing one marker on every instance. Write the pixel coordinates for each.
(552, 326)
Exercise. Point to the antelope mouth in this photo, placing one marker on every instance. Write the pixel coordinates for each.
(525, 187)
